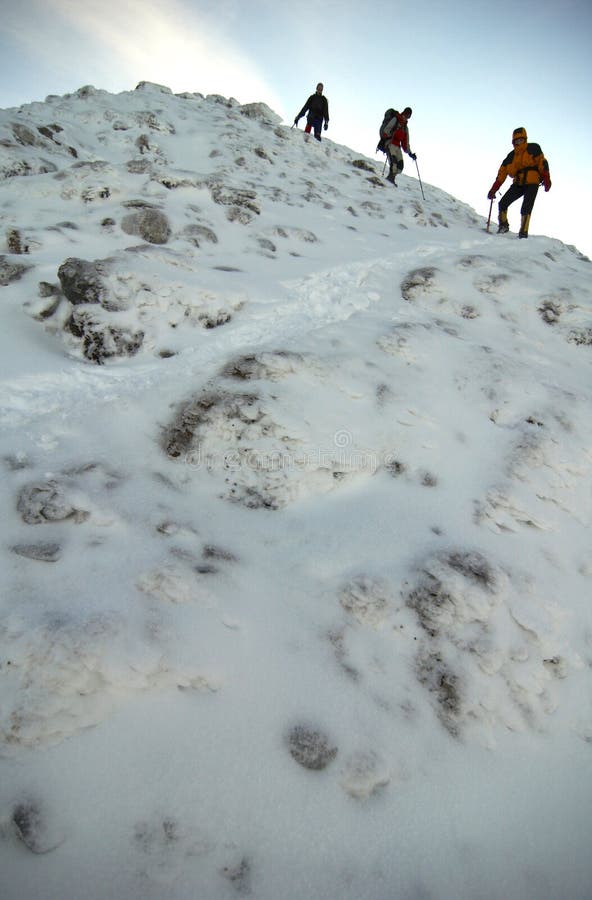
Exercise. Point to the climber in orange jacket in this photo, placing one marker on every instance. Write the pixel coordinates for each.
(528, 167)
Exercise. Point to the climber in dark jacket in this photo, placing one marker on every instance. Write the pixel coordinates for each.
(318, 111)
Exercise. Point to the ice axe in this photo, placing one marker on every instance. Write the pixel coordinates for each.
(489, 219)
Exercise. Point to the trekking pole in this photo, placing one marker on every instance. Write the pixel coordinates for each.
(384, 167)
(489, 219)
(419, 176)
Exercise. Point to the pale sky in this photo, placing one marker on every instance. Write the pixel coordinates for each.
(473, 70)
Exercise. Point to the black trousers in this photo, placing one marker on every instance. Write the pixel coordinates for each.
(528, 191)
(316, 122)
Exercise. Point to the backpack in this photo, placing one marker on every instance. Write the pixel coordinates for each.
(384, 132)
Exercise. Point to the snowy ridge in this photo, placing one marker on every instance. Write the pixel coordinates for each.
(297, 533)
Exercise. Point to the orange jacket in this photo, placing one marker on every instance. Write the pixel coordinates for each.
(526, 163)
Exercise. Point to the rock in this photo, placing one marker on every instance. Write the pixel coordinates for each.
(310, 747)
(86, 91)
(138, 166)
(24, 135)
(15, 242)
(102, 340)
(150, 224)
(183, 434)
(580, 336)
(81, 281)
(49, 131)
(211, 551)
(260, 111)
(152, 87)
(47, 289)
(241, 199)
(40, 311)
(221, 101)
(434, 674)
(95, 193)
(31, 826)
(42, 552)
(43, 502)
(198, 233)
(143, 143)
(237, 214)
(214, 320)
(10, 271)
(418, 282)
(472, 565)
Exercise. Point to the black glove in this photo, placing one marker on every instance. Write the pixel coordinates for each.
(413, 156)
(326, 125)
(296, 120)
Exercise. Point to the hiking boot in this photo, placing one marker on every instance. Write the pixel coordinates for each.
(503, 228)
(524, 223)
(503, 225)
(390, 177)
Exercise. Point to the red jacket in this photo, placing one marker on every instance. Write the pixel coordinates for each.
(396, 132)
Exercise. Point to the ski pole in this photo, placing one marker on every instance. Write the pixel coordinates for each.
(419, 176)
(489, 219)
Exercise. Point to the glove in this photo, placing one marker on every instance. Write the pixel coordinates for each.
(494, 189)
(547, 181)
(296, 120)
(326, 125)
(413, 156)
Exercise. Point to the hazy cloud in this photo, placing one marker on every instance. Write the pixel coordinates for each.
(116, 43)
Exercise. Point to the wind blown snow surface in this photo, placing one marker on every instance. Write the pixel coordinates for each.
(296, 541)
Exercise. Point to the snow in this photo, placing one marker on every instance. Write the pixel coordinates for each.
(296, 595)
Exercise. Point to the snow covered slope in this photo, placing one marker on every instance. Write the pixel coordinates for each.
(296, 534)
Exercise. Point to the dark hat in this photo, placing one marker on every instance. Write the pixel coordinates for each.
(407, 111)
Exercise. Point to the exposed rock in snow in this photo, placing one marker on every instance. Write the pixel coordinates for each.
(150, 224)
(82, 281)
(10, 271)
(44, 552)
(34, 828)
(44, 502)
(100, 339)
(311, 747)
